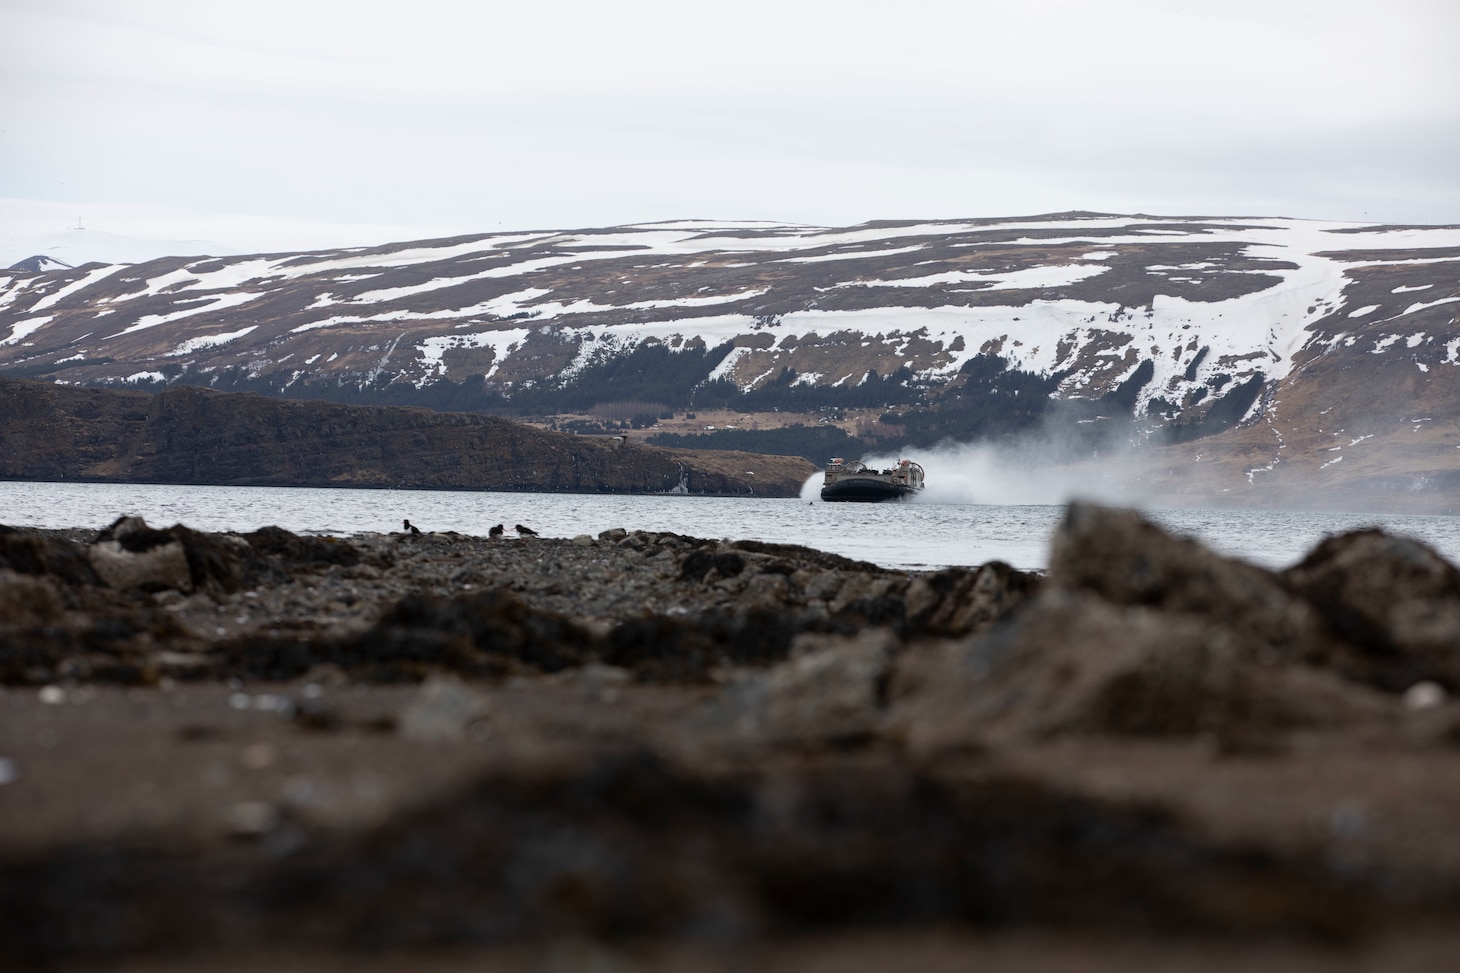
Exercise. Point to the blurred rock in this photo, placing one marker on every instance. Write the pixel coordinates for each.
(831, 691)
(35, 553)
(692, 649)
(1068, 663)
(956, 602)
(129, 554)
(1392, 598)
(26, 599)
(1121, 558)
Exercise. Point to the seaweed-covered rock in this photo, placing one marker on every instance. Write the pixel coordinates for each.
(957, 601)
(300, 550)
(31, 552)
(495, 623)
(483, 634)
(659, 648)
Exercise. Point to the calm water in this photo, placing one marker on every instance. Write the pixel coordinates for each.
(910, 535)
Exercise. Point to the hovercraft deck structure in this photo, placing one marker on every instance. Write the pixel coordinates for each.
(857, 482)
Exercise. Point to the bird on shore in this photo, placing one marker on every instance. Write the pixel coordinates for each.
(525, 531)
(496, 531)
(409, 529)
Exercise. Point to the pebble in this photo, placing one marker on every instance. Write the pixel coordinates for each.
(442, 710)
(257, 756)
(263, 702)
(251, 819)
(52, 695)
(1424, 695)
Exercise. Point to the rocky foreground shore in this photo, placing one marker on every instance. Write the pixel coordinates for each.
(651, 751)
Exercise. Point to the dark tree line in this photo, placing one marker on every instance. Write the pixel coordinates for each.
(784, 394)
(991, 402)
(651, 372)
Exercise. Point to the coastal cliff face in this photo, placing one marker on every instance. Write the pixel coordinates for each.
(191, 435)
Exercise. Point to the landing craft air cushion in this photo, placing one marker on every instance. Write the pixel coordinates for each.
(856, 482)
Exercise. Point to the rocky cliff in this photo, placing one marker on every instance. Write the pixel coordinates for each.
(192, 435)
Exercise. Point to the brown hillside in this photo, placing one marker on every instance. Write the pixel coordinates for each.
(192, 435)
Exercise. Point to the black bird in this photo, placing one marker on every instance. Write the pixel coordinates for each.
(525, 531)
(495, 531)
(409, 529)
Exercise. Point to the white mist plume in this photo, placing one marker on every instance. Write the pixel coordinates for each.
(1024, 472)
(1034, 470)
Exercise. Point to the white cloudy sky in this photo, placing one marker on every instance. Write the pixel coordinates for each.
(277, 125)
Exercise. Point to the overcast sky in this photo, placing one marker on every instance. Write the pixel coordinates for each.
(282, 125)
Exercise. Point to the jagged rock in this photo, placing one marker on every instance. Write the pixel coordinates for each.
(1069, 663)
(808, 556)
(1142, 633)
(864, 600)
(129, 554)
(34, 553)
(957, 602)
(766, 591)
(294, 549)
(1124, 559)
(709, 565)
(677, 649)
(1394, 599)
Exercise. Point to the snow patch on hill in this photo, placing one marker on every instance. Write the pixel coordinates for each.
(1091, 296)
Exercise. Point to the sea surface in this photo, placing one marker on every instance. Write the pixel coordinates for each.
(903, 535)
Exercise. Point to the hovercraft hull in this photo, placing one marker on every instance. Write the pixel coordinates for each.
(854, 489)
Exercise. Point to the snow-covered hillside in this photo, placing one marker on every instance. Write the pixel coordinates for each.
(1195, 306)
